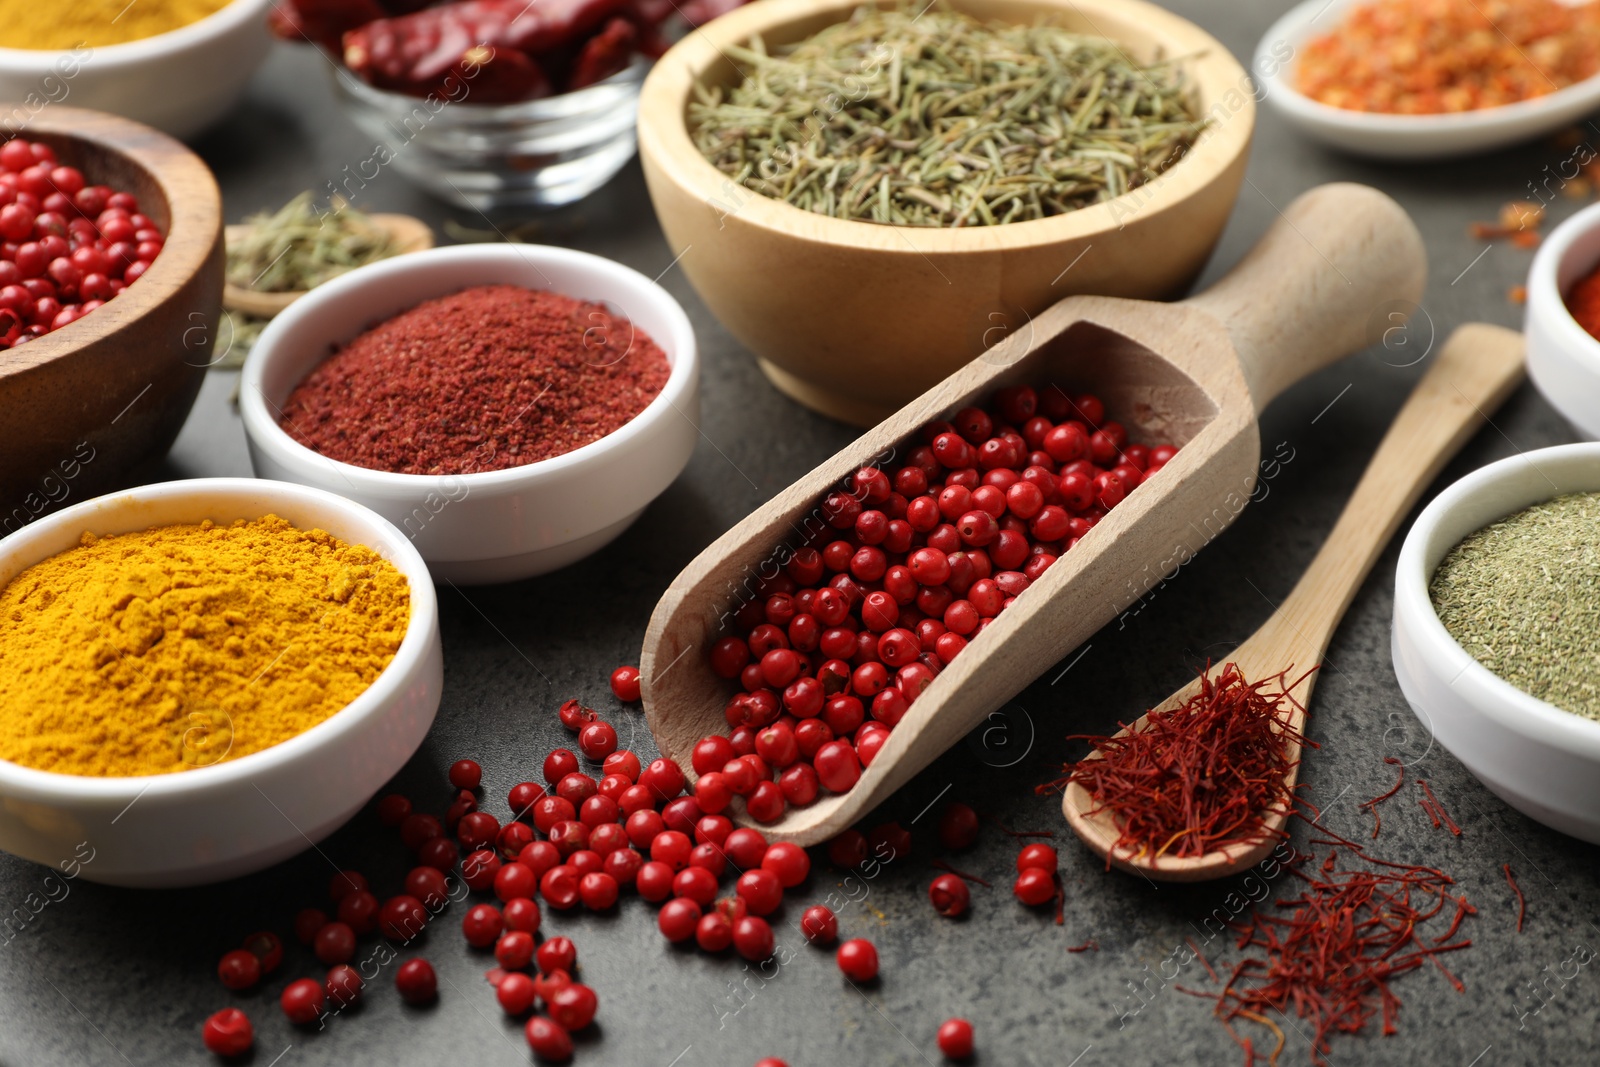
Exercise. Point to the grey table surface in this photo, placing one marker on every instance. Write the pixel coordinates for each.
(109, 976)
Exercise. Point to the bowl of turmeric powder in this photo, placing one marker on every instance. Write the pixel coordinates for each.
(177, 65)
(199, 679)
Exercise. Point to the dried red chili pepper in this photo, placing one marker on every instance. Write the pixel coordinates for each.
(700, 12)
(413, 53)
(604, 54)
(499, 76)
(322, 22)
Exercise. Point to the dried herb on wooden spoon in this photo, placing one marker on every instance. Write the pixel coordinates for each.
(298, 247)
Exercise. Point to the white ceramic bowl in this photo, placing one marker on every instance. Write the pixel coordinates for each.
(1541, 760)
(1563, 360)
(180, 82)
(502, 525)
(1405, 137)
(240, 815)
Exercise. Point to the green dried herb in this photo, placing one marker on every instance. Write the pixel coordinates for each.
(938, 119)
(298, 247)
(236, 335)
(1522, 596)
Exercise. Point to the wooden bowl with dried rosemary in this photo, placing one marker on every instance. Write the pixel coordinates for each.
(870, 197)
(276, 258)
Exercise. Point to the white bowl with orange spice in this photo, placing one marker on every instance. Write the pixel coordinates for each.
(1563, 357)
(467, 450)
(155, 797)
(1389, 135)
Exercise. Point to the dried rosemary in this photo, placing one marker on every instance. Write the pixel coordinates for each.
(299, 247)
(1523, 597)
(938, 119)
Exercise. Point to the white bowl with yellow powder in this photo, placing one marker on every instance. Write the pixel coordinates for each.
(1540, 759)
(177, 65)
(177, 669)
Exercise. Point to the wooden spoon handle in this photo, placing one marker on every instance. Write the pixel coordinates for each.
(1341, 267)
(1472, 375)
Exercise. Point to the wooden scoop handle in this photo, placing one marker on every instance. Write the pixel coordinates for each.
(1341, 269)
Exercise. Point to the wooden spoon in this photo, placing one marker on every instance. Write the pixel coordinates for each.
(409, 234)
(1196, 373)
(1475, 371)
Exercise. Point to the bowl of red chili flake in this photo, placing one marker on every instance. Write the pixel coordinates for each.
(512, 409)
(1563, 321)
(1430, 79)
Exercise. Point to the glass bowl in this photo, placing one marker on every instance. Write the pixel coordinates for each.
(540, 153)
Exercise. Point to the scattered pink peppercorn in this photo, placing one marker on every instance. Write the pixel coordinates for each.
(950, 895)
(1035, 886)
(819, 925)
(343, 985)
(302, 1001)
(548, 1040)
(334, 943)
(515, 993)
(557, 954)
(239, 969)
(402, 917)
(597, 740)
(955, 1039)
(858, 959)
(416, 981)
(752, 938)
(958, 826)
(466, 774)
(573, 1006)
(228, 1033)
(1042, 857)
(267, 947)
(625, 684)
(514, 950)
(393, 809)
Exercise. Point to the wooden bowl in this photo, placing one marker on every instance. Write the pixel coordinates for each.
(855, 319)
(82, 406)
(409, 234)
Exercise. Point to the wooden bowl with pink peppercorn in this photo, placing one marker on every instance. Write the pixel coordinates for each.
(88, 402)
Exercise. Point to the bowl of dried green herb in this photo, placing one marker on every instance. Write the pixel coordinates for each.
(869, 197)
(1496, 612)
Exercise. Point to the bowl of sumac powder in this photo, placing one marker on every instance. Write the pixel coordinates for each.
(512, 409)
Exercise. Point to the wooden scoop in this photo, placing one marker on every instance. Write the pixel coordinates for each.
(1319, 285)
(1476, 370)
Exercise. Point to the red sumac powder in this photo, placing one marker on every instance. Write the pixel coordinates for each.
(488, 378)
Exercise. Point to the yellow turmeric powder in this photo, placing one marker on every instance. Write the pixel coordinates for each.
(180, 646)
(47, 25)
